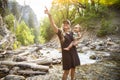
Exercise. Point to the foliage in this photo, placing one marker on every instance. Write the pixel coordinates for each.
(37, 35)
(91, 15)
(9, 20)
(23, 34)
(31, 20)
(16, 45)
(106, 28)
(35, 30)
(42, 40)
(46, 31)
(88, 13)
(15, 10)
(3, 7)
(110, 2)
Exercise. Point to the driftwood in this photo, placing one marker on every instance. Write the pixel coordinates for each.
(25, 65)
(4, 72)
(31, 50)
(29, 73)
(42, 61)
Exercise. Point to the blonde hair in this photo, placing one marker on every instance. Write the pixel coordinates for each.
(78, 26)
(63, 32)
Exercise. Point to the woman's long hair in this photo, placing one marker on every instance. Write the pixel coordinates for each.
(63, 33)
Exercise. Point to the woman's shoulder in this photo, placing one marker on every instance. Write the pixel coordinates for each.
(59, 31)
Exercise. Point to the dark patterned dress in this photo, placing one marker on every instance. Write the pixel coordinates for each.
(70, 58)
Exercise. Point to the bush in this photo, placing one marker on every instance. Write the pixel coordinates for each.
(24, 34)
(106, 28)
(16, 45)
(9, 20)
(46, 31)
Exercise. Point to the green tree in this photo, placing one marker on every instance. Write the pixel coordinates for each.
(24, 35)
(45, 30)
(9, 20)
(87, 13)
(3, 7)
(14, 10)
(31, 20)
(37, 35)
(31, 24)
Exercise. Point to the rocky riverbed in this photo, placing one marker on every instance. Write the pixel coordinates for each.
(100, 60)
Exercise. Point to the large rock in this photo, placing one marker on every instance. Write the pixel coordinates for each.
(14, 77)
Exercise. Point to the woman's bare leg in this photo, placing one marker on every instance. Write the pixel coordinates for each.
(72, 73)
(65, 74)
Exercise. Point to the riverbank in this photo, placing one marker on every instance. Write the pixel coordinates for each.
(99, 61)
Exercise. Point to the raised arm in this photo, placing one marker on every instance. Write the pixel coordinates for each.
(55, 28)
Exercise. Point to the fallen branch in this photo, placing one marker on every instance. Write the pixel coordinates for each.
(29, 73)
(25, 65)
(42, 61)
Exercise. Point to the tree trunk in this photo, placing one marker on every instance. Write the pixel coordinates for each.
(29, 73)
(25, 65)
(42, 61)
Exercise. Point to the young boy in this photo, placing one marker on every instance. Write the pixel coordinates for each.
(76, 36)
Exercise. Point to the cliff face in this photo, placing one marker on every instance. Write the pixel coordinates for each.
(23, 12)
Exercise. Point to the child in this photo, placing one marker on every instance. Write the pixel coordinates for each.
(76, 36)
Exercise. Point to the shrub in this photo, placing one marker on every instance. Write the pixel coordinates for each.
(9, 20)
(106, 28)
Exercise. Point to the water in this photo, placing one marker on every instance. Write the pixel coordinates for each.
(85, 58)
(55, 54)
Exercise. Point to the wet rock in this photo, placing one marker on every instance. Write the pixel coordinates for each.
(14, 77)
(100, 48)
(14, 70)
(114, 48)
(93, 57)
(19, 58)
(84, 49)
(3, 72)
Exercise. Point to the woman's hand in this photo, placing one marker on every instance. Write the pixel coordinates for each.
(46, 11)
(53, 25)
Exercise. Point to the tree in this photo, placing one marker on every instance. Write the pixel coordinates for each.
(9, 20)
(3, 7)
(14, 10)
(24, 35)
(31, 20)
(45, 30)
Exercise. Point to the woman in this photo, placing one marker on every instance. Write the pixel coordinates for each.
(70, 58)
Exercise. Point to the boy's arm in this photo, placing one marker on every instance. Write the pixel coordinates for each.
(78, 39)
(79, 36)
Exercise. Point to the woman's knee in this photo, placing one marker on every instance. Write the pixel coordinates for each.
(66, 72)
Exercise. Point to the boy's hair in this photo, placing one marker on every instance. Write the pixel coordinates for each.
(78, 26)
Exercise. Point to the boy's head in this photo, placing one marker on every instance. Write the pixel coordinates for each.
(77, 28)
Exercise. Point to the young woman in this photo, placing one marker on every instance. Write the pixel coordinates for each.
(70, 58)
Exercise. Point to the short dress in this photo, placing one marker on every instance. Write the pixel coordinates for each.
(70, 58)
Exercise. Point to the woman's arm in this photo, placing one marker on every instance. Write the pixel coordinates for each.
(55, 28)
